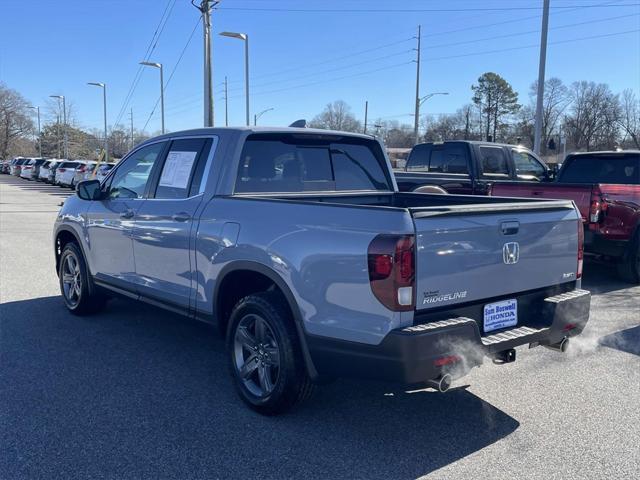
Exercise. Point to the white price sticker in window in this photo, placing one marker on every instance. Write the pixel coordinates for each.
(177, 169)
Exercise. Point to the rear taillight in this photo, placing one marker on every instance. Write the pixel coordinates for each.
(391, 262)
(82, 169)
(580, 249)
(61, 170)
(598, 206)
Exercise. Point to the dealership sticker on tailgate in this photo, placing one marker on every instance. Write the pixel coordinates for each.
(500, 315)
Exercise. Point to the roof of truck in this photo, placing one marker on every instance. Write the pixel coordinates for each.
(218, 130)
(604, 152)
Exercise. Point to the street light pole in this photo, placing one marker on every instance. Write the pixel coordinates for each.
(244, 37)
(104, 105)
(39, 134)
(257, 116)
(64, 126)
(537, 136)
(428, 96)
(158, 65)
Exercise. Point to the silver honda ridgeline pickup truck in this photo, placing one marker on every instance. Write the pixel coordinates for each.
(297, 244)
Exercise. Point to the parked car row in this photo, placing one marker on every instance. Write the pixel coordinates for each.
(62, 172)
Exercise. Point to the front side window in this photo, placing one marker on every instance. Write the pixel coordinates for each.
(526, 165)
(130, 180)
(494, 162)
(307, 163)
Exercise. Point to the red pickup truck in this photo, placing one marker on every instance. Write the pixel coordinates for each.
(606, 188)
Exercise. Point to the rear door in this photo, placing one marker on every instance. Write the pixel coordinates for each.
(480, 252)
(493, 165)
(163, 225)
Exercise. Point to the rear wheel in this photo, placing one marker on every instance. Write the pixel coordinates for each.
(73, 275)
(629, 266)
(265, 355)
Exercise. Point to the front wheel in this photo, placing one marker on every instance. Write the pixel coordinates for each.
(73, 275)
(265, 355)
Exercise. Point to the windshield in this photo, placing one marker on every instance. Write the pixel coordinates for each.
(620, 168)
(308, 163)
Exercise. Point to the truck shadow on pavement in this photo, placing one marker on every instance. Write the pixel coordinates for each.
(137, 392)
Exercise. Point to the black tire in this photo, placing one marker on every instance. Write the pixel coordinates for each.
(291, 385)
(79, 296)
(629, 266)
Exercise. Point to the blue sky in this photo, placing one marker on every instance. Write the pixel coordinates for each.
(301, 60)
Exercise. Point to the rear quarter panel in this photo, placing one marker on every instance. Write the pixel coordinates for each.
(623, 211)
(319, 251)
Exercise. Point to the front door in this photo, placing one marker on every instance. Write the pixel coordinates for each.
(165, 222)
(110, 221)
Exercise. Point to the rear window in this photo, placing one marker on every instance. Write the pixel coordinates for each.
(494, 162)
(288, 163)
(598, 168)
(68, 165)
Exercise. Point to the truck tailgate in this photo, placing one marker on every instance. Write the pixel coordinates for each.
(579, 193)
(485, 251)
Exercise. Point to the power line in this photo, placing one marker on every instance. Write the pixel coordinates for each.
(409, 39)
(344, 67)
(517, 34)
(557, 42)
(417, 10)
(175, 67)
(150, 49)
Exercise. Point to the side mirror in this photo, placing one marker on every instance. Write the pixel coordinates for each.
(89, 190)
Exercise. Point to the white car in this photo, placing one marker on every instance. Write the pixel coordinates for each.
(103, 171)
(27, 169)
(65, 174)
(84, 171)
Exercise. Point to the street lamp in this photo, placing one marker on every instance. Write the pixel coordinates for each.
(245, 38)
(104, 103)
(39, 135)
(64, 126)
(421, 101)
(429, 95)
(158, 65)
(256, 117)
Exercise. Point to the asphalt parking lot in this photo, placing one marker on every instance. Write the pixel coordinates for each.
(135, 392)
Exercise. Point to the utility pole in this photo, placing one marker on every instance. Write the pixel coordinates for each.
(366, 113)
(205, 8)
(131, 126)
(39, 133)
(541, 68)
(226, 103)
(64, 131)
(417, 112)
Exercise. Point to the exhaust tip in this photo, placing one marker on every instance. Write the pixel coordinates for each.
(564, 344)
(442, 383)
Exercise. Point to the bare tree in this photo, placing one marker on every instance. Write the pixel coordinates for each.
(15, 120)
(593, 119)
(555, 101)
(336, 116)
(630, 118)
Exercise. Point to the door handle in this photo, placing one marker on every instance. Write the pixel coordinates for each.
(181, 217)
(128, 213)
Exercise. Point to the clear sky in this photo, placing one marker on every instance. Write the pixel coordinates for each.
(302, 57)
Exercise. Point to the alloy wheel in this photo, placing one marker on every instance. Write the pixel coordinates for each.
(71, 279)
(257, 355)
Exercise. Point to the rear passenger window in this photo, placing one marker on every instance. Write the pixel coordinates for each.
(494, 162)
(182, 169)
(306, 163)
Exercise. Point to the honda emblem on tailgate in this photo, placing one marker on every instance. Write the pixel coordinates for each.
(511, 253)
